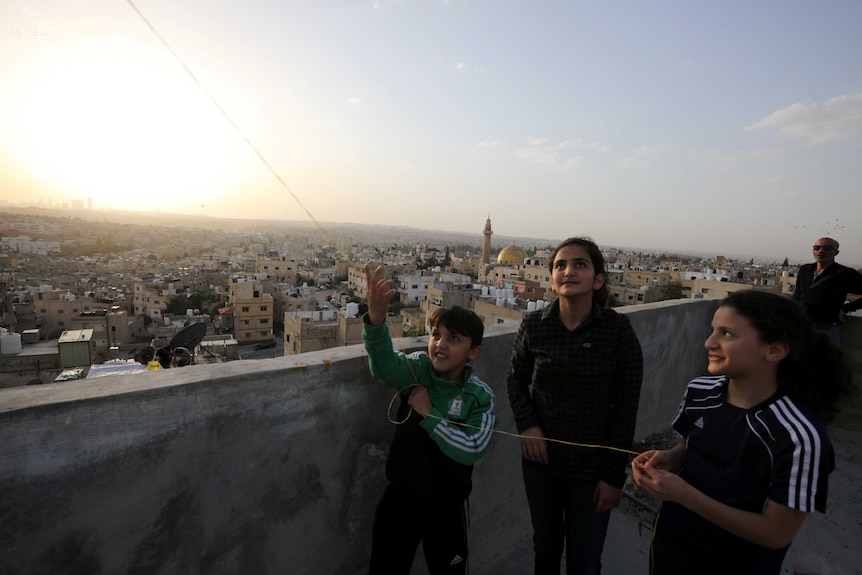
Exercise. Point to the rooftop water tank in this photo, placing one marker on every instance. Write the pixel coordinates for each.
(10, 343)
(352, 309)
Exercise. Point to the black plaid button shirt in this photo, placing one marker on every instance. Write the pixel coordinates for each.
(585, 388)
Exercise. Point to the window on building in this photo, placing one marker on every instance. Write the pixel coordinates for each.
(245, 309)
(263, 308)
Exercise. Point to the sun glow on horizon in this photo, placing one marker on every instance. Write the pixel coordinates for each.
(113, 120)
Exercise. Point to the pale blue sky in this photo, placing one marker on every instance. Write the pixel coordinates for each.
(732, 127)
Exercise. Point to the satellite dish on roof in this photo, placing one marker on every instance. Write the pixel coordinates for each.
(189, 337)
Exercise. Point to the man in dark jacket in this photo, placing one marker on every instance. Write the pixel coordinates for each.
(822, 288)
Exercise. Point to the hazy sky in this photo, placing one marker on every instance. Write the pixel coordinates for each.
(732, 126)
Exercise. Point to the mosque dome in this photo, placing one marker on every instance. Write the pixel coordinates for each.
(511, 255)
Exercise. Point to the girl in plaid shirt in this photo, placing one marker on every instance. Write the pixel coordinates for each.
(575, 376)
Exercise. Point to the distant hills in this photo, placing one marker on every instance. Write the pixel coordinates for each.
(371, 234)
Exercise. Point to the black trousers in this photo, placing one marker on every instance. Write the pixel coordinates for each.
(403, 519)
(562, 514)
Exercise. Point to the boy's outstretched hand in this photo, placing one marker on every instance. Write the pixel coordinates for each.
(380, 292)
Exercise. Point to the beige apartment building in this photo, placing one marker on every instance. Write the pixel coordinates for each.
(109, 327)
(356, 275)
(280, 269)
(712, 289)
(55, 309)
(639, 278)
(414, 320)
(493, 312)
(317, 330)
(787, 280)
(533, 271)
(624, 295)
(356, 280)
(151, 298)
(252, 311)
(525, 289)
(445, 294)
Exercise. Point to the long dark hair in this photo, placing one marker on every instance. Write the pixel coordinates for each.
(813, 374)
(598, 260)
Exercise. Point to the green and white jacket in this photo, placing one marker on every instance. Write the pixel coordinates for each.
(433, 455)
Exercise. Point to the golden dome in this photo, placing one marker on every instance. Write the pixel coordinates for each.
(511, 255)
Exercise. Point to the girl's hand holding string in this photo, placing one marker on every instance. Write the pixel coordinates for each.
(658, 481)
(655, 471)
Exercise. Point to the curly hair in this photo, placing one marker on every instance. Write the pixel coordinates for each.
(813, 374)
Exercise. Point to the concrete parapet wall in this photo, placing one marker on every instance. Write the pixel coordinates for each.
(268, 466)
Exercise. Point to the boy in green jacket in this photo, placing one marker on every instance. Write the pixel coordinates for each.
(431, 459)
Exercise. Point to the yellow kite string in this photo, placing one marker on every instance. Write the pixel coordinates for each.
(234, 125)
(329, 237)
(551, 439)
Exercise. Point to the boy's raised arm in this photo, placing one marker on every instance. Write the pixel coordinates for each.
(380, 293)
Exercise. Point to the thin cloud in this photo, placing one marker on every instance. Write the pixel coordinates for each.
(652, 150)
(642, 156)
(538, 155)
(461, 65)
(582, 145)
(537, 141)
(816, 122)
(490, 144)
(547, 153)
(354, 100)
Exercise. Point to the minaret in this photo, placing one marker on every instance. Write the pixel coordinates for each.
(486, 244)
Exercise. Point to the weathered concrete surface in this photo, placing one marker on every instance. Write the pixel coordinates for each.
(272, 466)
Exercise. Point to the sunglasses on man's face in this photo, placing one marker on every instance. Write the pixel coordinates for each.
(824, 248)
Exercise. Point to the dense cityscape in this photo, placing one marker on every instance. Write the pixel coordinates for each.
(129, 283)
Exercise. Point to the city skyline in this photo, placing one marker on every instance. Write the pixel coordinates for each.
(340, 234)
(731, 127)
